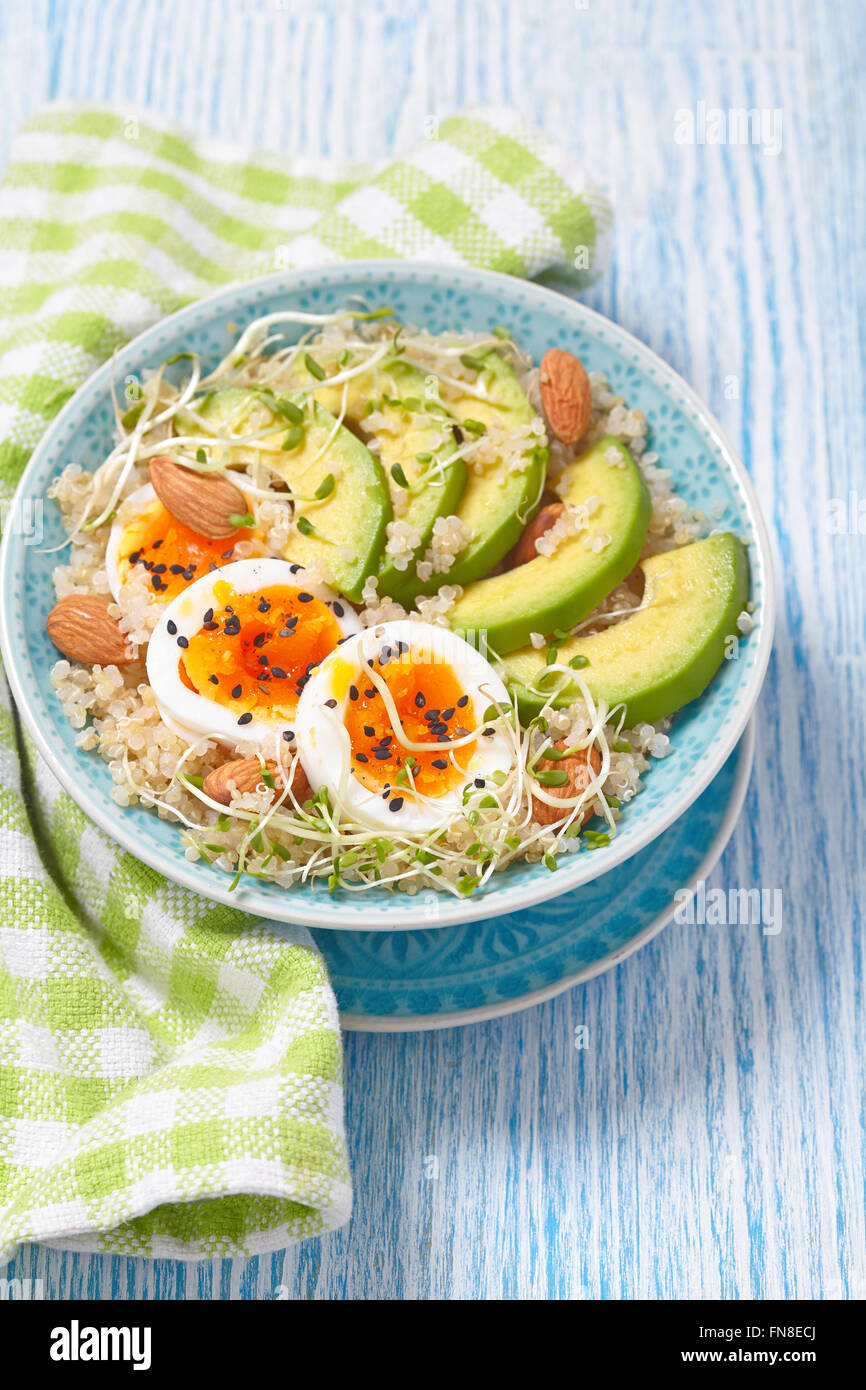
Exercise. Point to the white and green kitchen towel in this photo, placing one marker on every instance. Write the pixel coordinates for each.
(170, 1069)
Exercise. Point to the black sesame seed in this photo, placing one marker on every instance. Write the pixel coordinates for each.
(353, 692)
(245, 719)
(339, 610)
(277, 671)
(172, 627)
(440, 762)
(212, 568)
(463, 701)
(443, 738)
(330, 704)
(159, 569)
(263, 661)
(260, 639)
(370, 694)
(182, 642)
(227, 554)
(381, 753)
(237, 691)
(432, 714)
(439, 728)
(362, 757)
(304, 597)
(135, 557)
(293, 569)
(396, 804)
(448, 713)
(214, 680)
(487, 733)
(208, 617)
(288, 735)
(420, 701)
(479, 782)
(384, 742)
(177, 569)
(210, 627)
(156, 545)
(369, 730)
(264, 606)
(386, 793)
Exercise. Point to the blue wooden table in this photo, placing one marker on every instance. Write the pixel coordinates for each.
(708, 1142)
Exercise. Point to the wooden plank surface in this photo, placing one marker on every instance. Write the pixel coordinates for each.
(708, 1142)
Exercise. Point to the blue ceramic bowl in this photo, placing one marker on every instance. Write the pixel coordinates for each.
(705, 469)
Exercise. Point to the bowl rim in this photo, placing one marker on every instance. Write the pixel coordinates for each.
(484, 1013)
(316, 911)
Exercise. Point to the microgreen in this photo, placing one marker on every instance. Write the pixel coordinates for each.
(292, 439)
(551, 776)
(289, 410)
(313, 367)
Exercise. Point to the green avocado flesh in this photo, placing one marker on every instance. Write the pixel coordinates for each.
(349, 523)
(495, 505)
(667, 653)
(557, 591)
(436, 481)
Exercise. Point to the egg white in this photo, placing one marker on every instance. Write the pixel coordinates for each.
(323, 740)
(142, 498)
(192, 716)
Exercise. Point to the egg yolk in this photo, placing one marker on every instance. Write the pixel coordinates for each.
(255, 652)
(172, 554)
(433, 709)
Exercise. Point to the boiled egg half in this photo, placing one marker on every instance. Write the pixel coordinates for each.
(146, 537)
(232, 654)
(392, 722)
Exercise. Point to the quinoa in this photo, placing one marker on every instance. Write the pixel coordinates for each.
(114, 711)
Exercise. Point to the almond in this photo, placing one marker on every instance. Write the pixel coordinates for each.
(579, 770)
(246, 773)
(204, 503)
(565, 394)
(81, 626)
(541, 522)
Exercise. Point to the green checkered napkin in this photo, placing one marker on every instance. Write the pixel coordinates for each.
(170, 1070)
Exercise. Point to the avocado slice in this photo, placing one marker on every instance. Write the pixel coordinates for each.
(349, 523)
(556, 591)
(667, 653)
(436, 482)
(494, 507)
